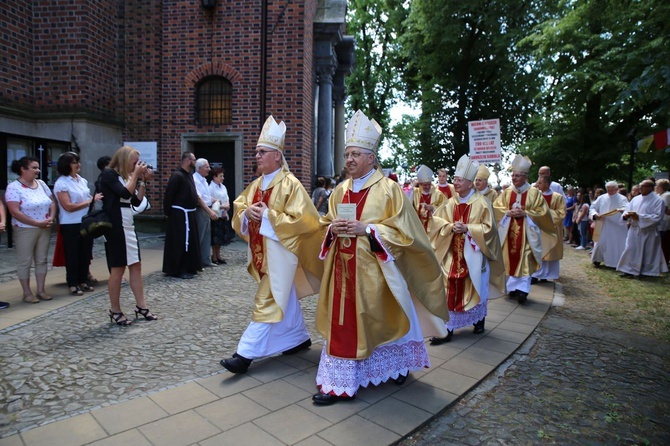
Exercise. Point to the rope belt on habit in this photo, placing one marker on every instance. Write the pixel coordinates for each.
(188, 228)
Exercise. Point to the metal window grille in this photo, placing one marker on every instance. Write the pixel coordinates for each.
(214, 98)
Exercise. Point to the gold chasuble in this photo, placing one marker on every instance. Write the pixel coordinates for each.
(491, 195)
(277, 266)
(361, 304)
(435, 198)
(522, 245)
(450, 249)
(556, 204)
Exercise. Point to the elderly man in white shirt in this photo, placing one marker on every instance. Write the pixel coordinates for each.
(610, 232)
(204, 214)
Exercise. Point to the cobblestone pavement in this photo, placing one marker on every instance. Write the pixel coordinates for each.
(577, 380)
(72, 360)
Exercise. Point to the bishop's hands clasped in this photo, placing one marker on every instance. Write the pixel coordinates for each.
(349, 227)
(255, 211)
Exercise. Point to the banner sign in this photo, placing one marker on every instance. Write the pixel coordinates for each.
(485, 141)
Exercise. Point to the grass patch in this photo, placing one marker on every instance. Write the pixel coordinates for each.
(637, 304)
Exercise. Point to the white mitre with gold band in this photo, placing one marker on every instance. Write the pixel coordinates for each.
(363, 132)
(424, 174)
(521, 164)
(272, 135)
(483, 172)
(466, 168)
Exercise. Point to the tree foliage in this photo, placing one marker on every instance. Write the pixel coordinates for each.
(606, 69)
(574, 82)
(374, 83)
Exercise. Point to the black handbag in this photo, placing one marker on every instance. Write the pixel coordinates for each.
(96, 224)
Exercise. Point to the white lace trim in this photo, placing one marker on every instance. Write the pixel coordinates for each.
(342, 376)
(458, 319)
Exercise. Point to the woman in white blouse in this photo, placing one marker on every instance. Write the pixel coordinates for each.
(31, 204)
(74, 199)
(219, 233)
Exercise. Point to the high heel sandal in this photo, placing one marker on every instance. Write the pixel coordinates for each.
(119, 319)
(146, 314)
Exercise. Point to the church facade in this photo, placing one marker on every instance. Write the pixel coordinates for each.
(171, 76)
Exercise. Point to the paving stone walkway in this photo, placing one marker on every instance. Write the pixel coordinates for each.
(68, 376)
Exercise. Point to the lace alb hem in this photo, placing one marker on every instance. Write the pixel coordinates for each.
(458, 319)
(342, 376)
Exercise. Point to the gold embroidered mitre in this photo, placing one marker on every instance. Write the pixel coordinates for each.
(363, 132)
(272, 135)
(483, 172)
(466, 168)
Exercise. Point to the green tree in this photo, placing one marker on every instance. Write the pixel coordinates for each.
(463, 65)
(374, 84)
(606, 74)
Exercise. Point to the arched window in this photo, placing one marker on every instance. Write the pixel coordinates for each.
(214, 101)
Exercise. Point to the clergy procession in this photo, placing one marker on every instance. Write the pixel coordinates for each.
(392, 268)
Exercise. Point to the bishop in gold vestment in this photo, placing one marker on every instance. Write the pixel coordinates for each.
(550, 267)
(426, 197)
(277, 218)
(467, 246)
(523, 219)
(382, 289)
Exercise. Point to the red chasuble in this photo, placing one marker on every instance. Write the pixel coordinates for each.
(344, 334)
(255, 237)
(459, 268)
(515, 236)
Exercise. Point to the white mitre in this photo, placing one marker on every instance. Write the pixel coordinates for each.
(362, 132)
(521, 164)
(272, 135)
(466, 168)
(424, 174)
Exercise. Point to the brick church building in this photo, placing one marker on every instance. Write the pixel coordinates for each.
(171, 76)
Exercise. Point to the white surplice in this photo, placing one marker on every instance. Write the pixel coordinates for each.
(642, 254)
(612, 240)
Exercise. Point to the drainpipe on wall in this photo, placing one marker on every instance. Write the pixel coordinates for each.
(264, 59)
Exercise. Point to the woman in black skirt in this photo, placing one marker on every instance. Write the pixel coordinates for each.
(122, 185)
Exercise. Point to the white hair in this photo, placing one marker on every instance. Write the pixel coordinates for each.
(612, 184)
(200, 162)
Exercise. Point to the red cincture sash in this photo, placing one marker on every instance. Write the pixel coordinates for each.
(343, 332)
(515, 235)
(255, 237)
(459, 268)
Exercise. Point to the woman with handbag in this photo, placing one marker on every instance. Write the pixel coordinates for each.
(31, 204)
(122, 185)
(74, 200)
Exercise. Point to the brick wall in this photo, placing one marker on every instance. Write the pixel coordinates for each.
(75, 57)
(16, 55)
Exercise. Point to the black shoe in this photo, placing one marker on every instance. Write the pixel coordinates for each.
(297, 348)
(400, 380)
(326, 399)
(236, 364)
(513, 294)
(521, 297)
(627, 276)
(222, 262)
(438, 341)
(543, 281)
(4, 305)
(479, 326)
(596, 264)
(533, 280)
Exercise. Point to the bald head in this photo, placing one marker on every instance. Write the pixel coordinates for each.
(544, 171)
